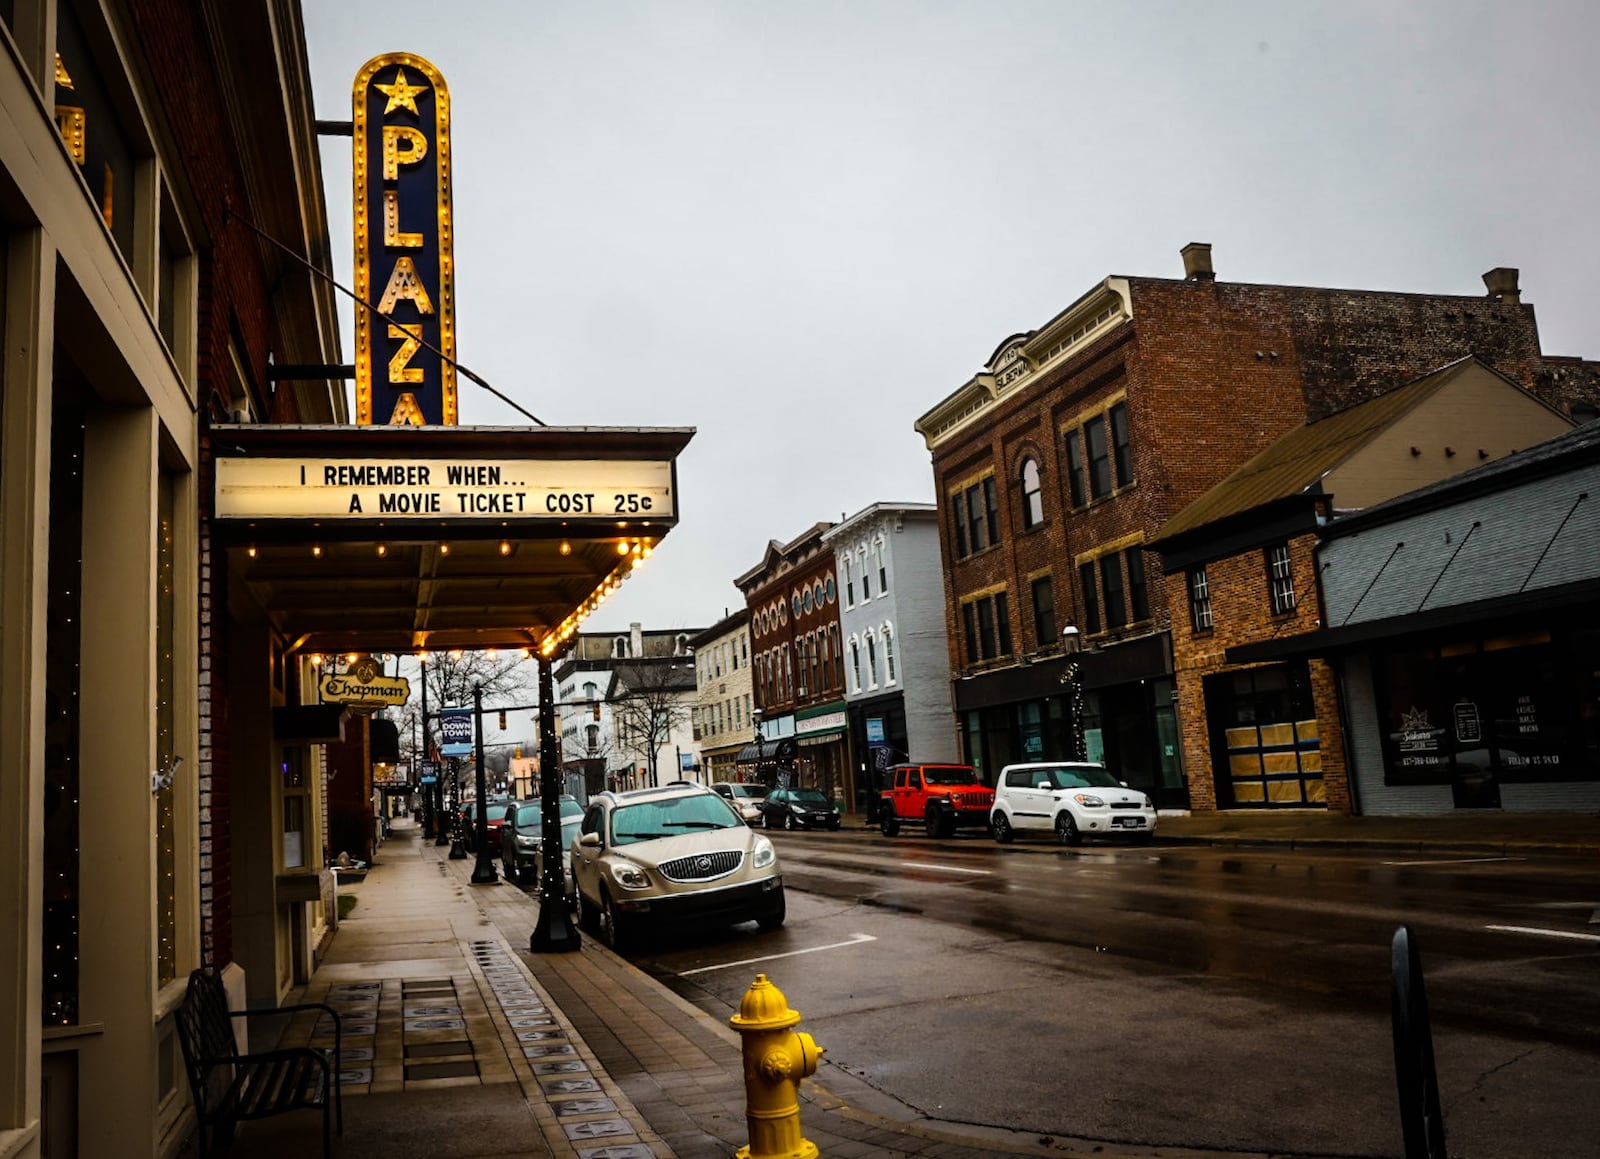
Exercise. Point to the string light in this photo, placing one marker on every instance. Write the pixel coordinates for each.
(505, 547)
(251, 551)
(566, 548)
(383, 550)
(316, 550)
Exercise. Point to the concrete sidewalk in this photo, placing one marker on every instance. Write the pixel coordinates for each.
(460, 1043)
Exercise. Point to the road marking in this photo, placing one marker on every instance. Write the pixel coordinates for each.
(855, 940)
(946, 868)
(1544, 933)
(1455, 861)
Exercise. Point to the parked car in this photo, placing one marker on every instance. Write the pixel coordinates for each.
(799, 809)
(943, 797)
(496, 814)
(744, 797)
(523, 831)
(1070, 800)
(570, 827)
(678, 853)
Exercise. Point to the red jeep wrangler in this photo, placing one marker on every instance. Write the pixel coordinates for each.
(943, 797)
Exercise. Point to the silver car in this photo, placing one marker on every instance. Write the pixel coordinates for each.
(675, 854)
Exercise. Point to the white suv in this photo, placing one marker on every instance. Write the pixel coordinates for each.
(1070, 800)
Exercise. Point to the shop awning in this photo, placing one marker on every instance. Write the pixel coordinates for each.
(771, 750)
(395, 539)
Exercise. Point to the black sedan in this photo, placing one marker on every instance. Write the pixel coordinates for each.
(799, 809)
(522, 833)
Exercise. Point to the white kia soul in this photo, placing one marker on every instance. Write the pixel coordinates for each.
(1070, 800)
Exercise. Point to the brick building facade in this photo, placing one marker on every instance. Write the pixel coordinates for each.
(1056, 464)
(798, 671)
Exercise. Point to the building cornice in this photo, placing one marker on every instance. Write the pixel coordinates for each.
(1020, 358)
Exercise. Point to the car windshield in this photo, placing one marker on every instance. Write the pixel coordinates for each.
(670, 817)
(528, 815)
(755, 791)
(809, 797)
(948, 775)
(1079, 777)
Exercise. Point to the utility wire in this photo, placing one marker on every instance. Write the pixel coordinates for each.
(229, 213)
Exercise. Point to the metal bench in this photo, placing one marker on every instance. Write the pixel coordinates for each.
(229, 1087)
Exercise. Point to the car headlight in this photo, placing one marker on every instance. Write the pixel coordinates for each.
(630, 876)
(1149, 804)
(764, 854)
(1089, 801)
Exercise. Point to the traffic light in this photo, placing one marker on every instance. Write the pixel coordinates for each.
(502, 720)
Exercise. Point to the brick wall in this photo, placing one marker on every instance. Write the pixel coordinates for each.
(1241, 606)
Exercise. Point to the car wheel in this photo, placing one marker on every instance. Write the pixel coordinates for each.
(789, 822)
(888, 823)
(615, 930)
(774, 916)
(766, 822)
(527, 875)
(933, 822)
(1067, 829)
(837, 824)
(1000, 829)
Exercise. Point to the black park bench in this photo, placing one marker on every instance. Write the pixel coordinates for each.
(229, 1087)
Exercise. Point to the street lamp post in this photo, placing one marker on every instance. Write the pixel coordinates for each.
(755, 717)
(483, 870)
(1071, 640)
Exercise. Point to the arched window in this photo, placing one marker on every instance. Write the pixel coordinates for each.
(619, 647)
(866, 576)
(855, 664)
(888, 654)
(849, 584)
(1032, 497)
(838, 655)
(872, 661)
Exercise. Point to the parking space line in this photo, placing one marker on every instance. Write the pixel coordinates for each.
(1545, 933)
(855, 940)
(1454, 861)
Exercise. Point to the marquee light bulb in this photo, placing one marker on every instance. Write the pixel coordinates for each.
(505, 547)
(622, 548)
(383, 549)
(566, 548)
(316, 550)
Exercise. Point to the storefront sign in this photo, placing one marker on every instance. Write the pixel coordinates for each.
(455, 732)
(351, 689)
(404, 264)
(434, 489)
(875, 730)
(827, 722)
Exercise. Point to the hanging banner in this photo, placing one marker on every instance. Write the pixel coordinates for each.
(404, 262)
(455, 732)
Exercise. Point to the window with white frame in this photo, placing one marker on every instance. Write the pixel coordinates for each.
(855, 664)
(866, 577)
(872, 660)
(888, 654)
(1280, 578)
(849, 584)
(883, 568)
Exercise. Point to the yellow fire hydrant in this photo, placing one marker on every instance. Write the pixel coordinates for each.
(775, 1060)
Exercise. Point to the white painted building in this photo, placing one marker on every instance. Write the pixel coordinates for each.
(892, 623)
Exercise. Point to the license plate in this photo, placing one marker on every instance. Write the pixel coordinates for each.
(1128, 822)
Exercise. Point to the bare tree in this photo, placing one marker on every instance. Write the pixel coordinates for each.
(652, 700)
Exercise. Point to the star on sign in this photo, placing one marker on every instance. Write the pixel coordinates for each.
(401, 94)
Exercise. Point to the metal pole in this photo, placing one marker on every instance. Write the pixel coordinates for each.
(1080, 750)
(458, 837)
(435, 798)
(555, 931)
(483, 872)
(1416, 1081)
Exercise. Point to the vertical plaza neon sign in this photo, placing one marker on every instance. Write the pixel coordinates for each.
(404, 264)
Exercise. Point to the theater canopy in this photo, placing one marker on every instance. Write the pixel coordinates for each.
(408, 538)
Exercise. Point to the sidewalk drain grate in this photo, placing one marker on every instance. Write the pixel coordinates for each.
(435, 1049)
(440, 1070)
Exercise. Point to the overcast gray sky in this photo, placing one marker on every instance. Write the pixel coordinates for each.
(797, 226)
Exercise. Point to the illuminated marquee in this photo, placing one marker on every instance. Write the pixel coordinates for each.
(448, 489)
(404, 264)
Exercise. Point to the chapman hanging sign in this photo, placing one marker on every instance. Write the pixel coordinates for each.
(404, 262)
(556, 489)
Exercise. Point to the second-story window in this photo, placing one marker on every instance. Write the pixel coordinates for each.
(1094, 434)
(1075, 467)
(1044, 613)
(866, 580)
(1138, 593)
(883, 571)
(987, 624)
(1120, 448)
(1111, 581)
(1280, 578)
(1091, 599)
(888, 654)
(1199, 600)
(1032, 498)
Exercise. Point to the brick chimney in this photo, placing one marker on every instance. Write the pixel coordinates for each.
(1502, 283)
(1197, 262)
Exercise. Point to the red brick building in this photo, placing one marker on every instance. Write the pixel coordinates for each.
(1056, 464)
(798, 669)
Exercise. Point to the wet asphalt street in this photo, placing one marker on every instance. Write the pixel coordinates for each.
(1183, 995)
